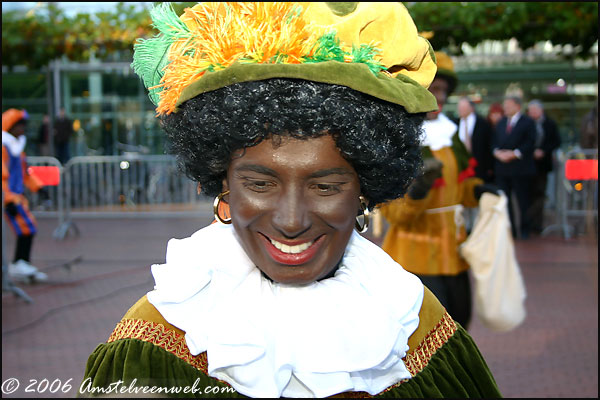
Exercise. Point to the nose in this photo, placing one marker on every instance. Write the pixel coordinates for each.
(291, 215)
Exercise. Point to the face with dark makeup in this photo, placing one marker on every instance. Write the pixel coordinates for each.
(19, 128)
(439, 88)
(294, 206)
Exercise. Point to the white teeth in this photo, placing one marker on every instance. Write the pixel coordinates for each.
(291, 249)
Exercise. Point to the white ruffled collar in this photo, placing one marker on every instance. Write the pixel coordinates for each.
(345, 333)
(439, 132)
(14, 145)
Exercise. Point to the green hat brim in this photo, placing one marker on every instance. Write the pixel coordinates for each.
(401, 90)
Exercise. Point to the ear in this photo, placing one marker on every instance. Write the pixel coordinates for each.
(199, 188)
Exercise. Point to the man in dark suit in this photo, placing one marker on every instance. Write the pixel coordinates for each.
(476, 134)
(63, 130)
(514, 168)
(547, 140)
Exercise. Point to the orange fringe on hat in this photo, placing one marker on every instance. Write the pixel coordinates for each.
(263, 32)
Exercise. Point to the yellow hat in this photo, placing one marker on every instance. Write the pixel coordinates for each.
(11, 116)
(373, 48)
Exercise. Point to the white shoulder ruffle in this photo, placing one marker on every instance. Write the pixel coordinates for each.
(345, 333)
(439, 132)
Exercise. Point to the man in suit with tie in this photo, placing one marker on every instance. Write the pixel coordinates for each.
(476, 134)
(546, 141)
(514, 168)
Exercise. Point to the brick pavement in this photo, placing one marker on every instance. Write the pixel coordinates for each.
(554, 353)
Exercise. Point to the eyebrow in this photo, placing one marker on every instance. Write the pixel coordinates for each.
(257, 168)
(330, 171)
(317, 174)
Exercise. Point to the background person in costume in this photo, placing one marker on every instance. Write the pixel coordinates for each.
(427, 225)
(15, 179)
(299, 132)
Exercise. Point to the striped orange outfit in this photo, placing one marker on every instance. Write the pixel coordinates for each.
(14, 180)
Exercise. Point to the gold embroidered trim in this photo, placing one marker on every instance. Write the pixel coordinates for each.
(158, 335)
(174, 343)
(417, 360)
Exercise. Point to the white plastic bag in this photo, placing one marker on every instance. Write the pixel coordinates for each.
(500, 293)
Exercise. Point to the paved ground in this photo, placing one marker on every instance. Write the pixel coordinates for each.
(45, 345)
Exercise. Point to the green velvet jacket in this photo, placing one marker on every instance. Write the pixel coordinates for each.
(146, 356)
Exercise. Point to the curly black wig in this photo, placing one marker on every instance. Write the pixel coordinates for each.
(379, 139)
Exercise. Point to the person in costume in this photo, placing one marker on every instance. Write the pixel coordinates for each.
(427, 225)
(292, 117)
(15, 178)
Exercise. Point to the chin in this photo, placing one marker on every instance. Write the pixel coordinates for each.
(293, 277)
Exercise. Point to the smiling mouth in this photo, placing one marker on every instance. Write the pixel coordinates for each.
(284, 248)
(288, 254)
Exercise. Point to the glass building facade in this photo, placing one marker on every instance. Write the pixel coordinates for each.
(108, 103)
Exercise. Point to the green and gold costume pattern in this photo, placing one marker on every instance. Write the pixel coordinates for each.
(442, 359)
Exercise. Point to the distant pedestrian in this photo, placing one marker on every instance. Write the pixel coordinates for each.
(63, 128)
(476, 134)
(513, 144)
(546, 142)
(589, 129)
(44, 136)
(16, 207)
(495, 114)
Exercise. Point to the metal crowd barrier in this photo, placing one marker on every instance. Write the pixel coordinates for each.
(576, 196)
(124, 185)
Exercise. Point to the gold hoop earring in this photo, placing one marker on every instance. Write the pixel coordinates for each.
(216, 208)
(365, 213)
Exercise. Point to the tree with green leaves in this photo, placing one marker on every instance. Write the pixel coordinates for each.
(33, 39)
(574, 23)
